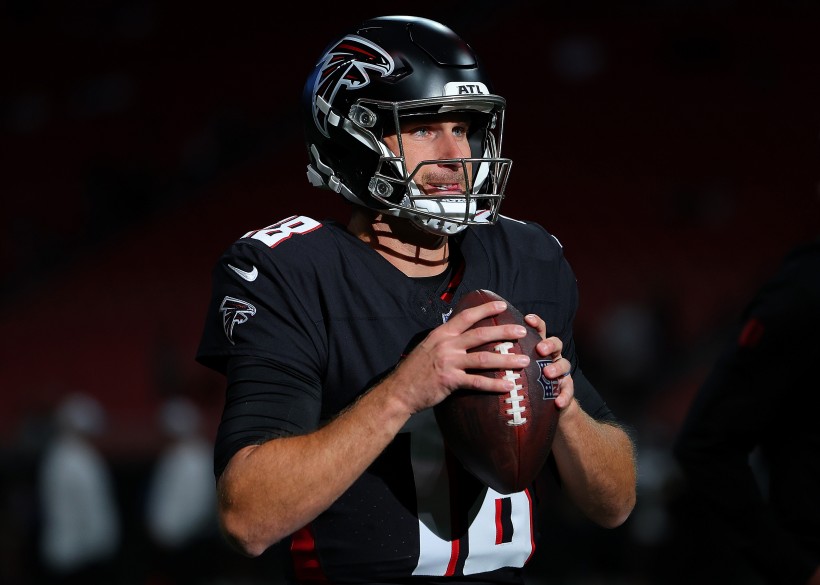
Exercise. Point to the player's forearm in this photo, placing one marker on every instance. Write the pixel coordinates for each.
(269, 491)
(596, 462)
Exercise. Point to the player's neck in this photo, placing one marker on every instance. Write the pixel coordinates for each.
(411, 250)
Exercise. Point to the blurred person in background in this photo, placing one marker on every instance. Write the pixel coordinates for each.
(180, 512)
(750, 445)
(80, 529)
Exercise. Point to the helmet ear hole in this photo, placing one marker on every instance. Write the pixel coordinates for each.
(364, 117)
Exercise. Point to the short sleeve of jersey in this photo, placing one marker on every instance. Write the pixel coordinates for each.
(264, 331)
(260, 307)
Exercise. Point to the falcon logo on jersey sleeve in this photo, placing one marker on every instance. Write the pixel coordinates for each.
(234, 312)
(346, 65)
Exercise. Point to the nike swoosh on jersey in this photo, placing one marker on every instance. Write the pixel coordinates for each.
(249, 275)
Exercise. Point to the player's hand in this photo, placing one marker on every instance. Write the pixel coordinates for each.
(441, 363)
(559, 370)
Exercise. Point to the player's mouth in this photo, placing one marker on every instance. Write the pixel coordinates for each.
(446, 188)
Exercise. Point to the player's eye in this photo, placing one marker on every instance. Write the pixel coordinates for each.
(420, 131)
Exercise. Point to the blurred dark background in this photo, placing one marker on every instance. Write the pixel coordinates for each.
(671, 145)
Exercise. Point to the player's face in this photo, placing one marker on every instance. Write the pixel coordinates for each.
(435, 138)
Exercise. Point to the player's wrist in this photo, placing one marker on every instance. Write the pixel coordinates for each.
(390, 397)
(570, 413)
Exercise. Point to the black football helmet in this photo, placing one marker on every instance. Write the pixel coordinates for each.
(371, 78)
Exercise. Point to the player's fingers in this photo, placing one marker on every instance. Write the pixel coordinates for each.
(537, 323)
(487, 384)
(558, 368)
(565, 392)
(495, 360)
(551, 348)
(492, 334)
(469, 317)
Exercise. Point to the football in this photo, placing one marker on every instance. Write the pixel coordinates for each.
(502, 439)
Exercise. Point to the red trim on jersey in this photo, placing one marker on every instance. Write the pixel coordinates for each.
(457, 527)
(303, 554)
(447, 295)
(499, 530)
(454, 550)
(532, 528)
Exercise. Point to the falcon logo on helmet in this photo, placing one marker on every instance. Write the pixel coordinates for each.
(234, 312)
(347, 64)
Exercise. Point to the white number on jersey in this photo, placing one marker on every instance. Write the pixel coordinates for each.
(276, 233)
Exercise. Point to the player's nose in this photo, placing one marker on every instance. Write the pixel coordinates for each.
(452, 147)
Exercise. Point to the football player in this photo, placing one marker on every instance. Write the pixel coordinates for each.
(336, 339)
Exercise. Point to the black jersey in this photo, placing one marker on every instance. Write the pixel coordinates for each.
(332, 317)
